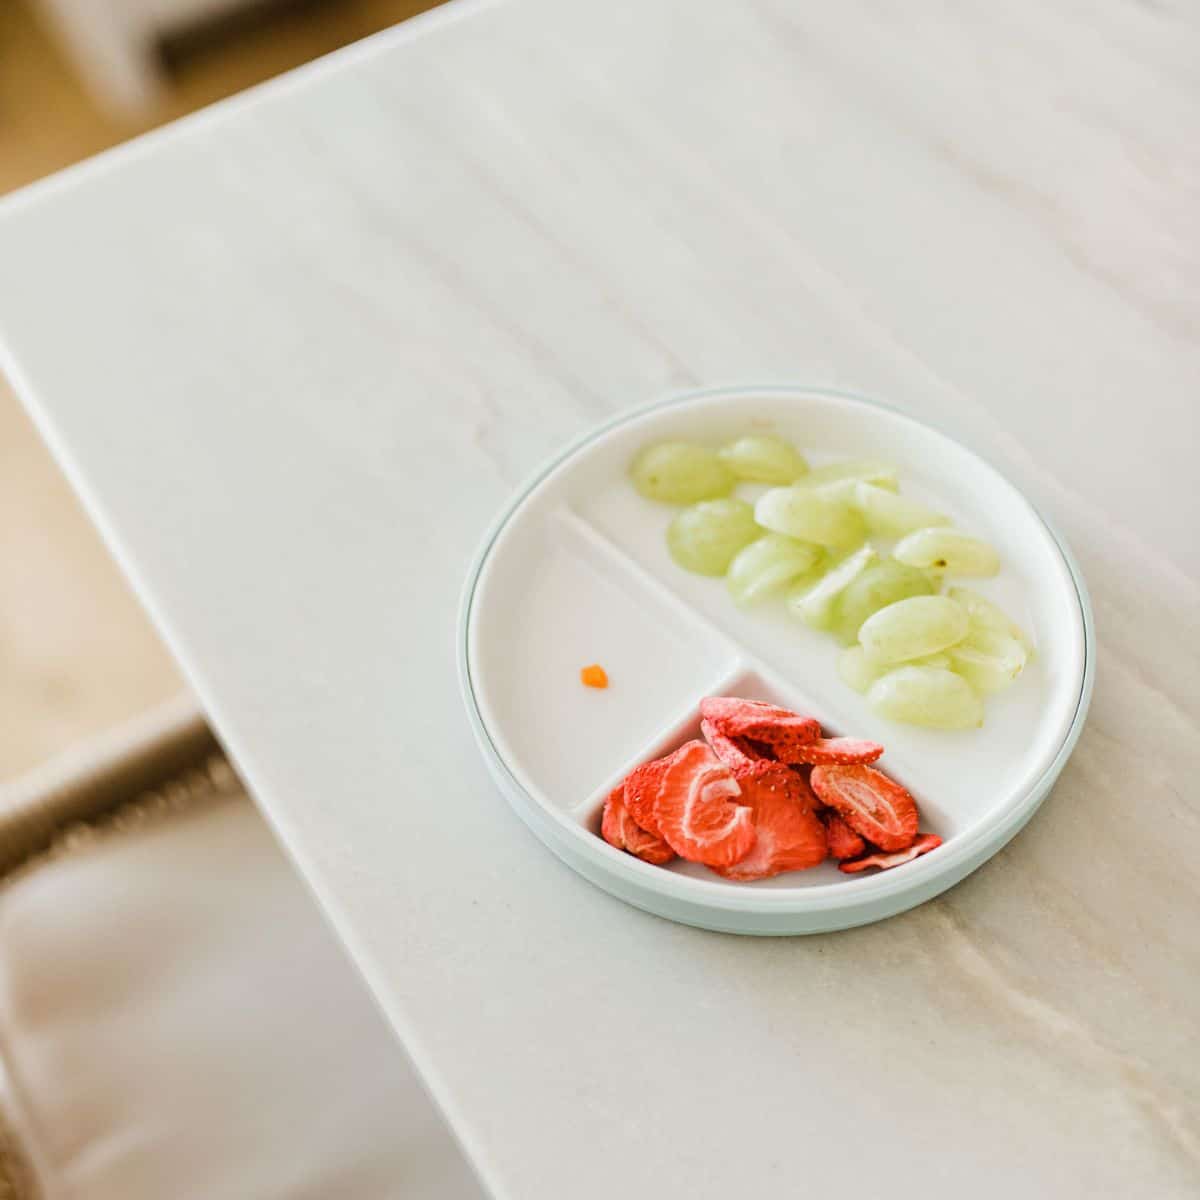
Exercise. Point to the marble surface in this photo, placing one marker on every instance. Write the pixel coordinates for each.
(295, 352)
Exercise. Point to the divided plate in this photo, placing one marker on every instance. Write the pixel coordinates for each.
(577, 571)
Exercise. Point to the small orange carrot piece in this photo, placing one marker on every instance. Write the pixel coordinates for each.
(594, 676)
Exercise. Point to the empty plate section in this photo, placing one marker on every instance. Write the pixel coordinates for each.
(549, 602)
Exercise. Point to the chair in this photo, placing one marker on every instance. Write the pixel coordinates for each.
(114, 43)
(176, 1021)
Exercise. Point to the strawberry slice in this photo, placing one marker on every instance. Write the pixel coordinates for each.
(619, 829)
(789, 836)
(869, 802)
(697, 808)
(843, 841)
(838, 751)
(782, 729)
(641, 793)
(924, 843)
(734, 752)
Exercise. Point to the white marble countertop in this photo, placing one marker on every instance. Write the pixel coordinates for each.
(295, 352)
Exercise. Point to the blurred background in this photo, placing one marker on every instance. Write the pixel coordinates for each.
(76, 77)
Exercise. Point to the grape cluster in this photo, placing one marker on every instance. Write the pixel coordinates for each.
(921, 657)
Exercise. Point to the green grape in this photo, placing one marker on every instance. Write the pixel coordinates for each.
(986, 617)
(809, 515)
(768, 565)
(814, 603)
(763, 458)
(680, 473)
(859, 670)
(705, 537)
(945, 550)
(881, 584)
(929, 696)
(941, 661)
(852, 470)
(841, 491)
(988, 661)
(913, 628)
(890, 515)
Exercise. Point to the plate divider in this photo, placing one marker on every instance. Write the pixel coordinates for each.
(603, 546)
(733, 671)
(747, 660)
(742, 663)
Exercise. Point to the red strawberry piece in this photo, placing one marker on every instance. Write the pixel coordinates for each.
(789, 836)
(641, 793)
(924, 843)
(843, 841)
(869, 802)
(619, 829)
(780, 728)
(730, 712)
(841, 751)
(732, 751)
(698, 810)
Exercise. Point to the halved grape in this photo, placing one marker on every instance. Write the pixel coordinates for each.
(763, 458)
(680, 473)
(768, 565)
(988, 661)
(946, 550)
(890, 515)
(940, 660)
(986, 617)
(859, 670)
(912, 628)
(881, 584)
(705, 537)
(814, 604)
(840, 491)
(807, 514)
(929, 696)
(854, 469)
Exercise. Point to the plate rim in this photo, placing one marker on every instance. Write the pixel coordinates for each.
(974, 847)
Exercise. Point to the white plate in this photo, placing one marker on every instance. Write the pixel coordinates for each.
(576, 571)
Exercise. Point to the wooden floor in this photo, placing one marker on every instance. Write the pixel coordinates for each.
(76, 652)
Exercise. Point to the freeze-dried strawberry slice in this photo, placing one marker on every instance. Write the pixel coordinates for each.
(840, 751)
(924, 843)
(698, 810)
(780, 728)
(843, 841)
(641, 793)
(619, 829)
(732, 712)
(870, 803)
(789, 835)
(734, 752)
